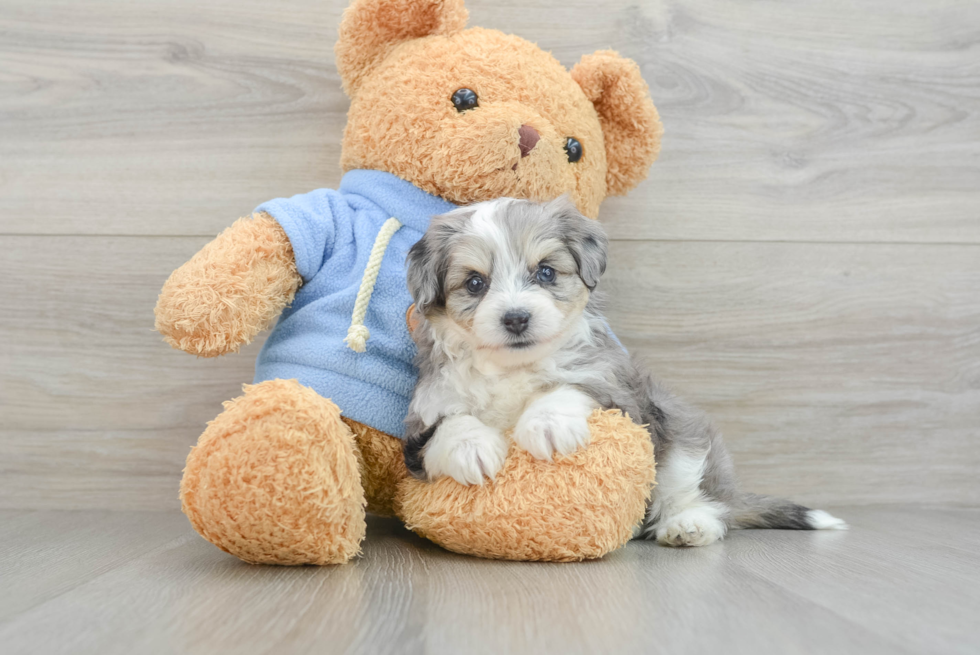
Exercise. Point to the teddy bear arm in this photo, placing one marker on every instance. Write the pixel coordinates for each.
(231, 290)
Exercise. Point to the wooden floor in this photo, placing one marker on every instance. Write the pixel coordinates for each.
(803, 260)
(902, 580)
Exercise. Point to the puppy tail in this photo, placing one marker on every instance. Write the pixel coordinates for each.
(756, 511)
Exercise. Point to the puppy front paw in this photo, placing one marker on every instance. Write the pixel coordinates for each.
(466, 450)
(543, 432)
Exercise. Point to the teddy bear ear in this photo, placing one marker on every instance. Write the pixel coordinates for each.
(630, 124)
(370, 29)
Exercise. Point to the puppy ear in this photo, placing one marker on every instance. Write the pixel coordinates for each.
(424, 281)
(429, 258)
(370, 29)
(583, 237)
(630, 124)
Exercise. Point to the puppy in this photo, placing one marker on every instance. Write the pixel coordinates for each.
(510, 336)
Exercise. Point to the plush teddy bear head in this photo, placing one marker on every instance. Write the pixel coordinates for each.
(475, 114)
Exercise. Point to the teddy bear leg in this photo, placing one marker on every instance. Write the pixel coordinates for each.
(275, 479)
(382, 466)
(581, 506)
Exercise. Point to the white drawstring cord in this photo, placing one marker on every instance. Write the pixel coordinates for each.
(357, 333)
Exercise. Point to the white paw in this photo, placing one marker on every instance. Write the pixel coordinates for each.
(466, 450)
(697, 526)
(545, 431)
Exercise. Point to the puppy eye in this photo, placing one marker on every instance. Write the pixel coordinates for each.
(573, 149)
(475, 284)
(546, 274)
(465, 99)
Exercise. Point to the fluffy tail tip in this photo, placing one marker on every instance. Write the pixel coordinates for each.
(821, 520)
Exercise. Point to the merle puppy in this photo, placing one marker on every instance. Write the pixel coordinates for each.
(509, 336)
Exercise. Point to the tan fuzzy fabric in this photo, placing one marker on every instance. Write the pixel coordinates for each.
(274, 479)
(402, 118)
(370, 29)
(230, 291)
(629, 120)
(382, 466)
(579, 507)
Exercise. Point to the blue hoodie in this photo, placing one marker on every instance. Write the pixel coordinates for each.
(332, 234)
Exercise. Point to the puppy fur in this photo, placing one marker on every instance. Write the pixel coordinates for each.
(510, 336)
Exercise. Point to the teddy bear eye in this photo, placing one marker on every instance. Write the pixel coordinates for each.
(573, 149)
(465, 99)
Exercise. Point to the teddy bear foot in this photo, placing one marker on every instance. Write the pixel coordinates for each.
(581, 506)
(274, 479)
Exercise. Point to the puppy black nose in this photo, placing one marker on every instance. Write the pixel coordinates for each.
(516, 321)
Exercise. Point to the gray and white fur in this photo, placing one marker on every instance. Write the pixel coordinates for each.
(510, 336)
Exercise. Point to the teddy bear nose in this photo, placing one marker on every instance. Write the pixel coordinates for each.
(529, 139)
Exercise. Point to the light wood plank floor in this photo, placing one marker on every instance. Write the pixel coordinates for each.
(903, 580)
(803, 261)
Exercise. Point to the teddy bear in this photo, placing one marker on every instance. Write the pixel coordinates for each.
(440, 116)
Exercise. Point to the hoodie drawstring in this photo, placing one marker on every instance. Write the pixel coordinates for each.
(357, 333)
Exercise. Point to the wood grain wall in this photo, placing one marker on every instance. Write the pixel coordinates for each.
(804, 260)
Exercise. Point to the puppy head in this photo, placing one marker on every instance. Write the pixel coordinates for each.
(507, 277)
